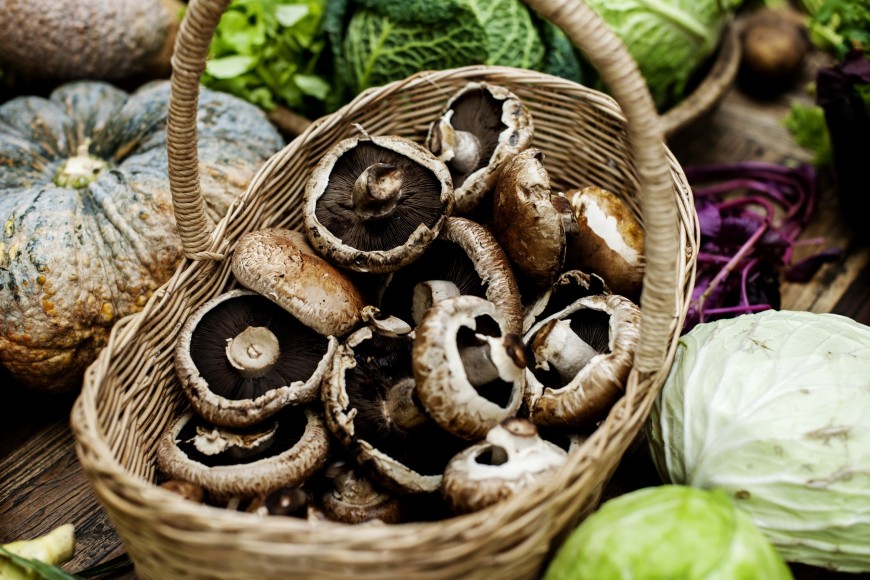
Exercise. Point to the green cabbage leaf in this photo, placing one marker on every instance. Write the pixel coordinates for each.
(664, 532)
(669, 39)
(774, 409)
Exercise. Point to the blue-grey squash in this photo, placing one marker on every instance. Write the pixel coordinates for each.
(87, 231)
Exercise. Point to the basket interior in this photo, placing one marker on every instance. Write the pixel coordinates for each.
(132, 389)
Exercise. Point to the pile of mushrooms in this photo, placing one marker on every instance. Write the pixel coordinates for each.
(445, 331)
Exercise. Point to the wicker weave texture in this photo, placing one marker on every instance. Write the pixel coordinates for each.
(130, 394)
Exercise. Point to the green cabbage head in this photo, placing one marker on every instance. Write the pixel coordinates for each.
(669, 39)
(774, 409)
(668, 532)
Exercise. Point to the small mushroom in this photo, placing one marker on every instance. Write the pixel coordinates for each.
(280, 265)
(288, 501)
(533, 224)
(513, 458)
(609, 242)
(482, 128)
(468, 370)
(374, 204)
(372, 409)
(241, 358)
(296, 450)
(355, 499)
(582, 357)
(467, 255)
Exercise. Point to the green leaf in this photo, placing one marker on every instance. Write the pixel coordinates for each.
(290, 14)
(230, 66)
(312, 85)
(46, 571)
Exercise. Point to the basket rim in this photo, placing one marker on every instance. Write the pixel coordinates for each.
(712, 88)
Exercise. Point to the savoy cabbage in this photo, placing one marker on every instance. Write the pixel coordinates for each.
(378, 41)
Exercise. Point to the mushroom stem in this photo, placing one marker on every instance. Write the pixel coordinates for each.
(254, 351)
(460, 149)
(428, 293)
(557, 345)
(377, 190)
(496, 358)
(400, 408)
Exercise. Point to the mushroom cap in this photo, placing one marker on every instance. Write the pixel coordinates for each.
(367, 365)
(355, 499)
(598, 385)
(503, 126)
(467, 254)
(513, 458)
(610, 240)
(570, 286)
(199, 355)
(279, 264)
(387, 243)
(531, 223)
(305, 453)
(443, 385)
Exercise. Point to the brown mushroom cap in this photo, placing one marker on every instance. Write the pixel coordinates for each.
(482, 127)
(531, 223)
(513, 457)
(280, 265)
(610, 240)
(371, 408)
(583, 356)
(209, 370)
(467, 254)
(468, 369)
(374, 204)
(300, 449)
(355, 499)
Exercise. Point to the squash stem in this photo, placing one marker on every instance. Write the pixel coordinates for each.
(80, 170)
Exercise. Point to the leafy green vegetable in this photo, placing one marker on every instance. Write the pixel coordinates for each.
(669, 39)
(841, 25)
(772, 408)
(512, 37)
(269, 53)
(807, 125)
(378, 49)
(666, 532)
(41, 569)
(378, 41)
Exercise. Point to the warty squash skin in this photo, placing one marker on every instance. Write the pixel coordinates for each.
(75, 260)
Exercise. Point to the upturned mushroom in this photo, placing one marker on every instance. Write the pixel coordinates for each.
(280, 265)
(582, 358)
(532, 223)
(569, 287)
(467, 255)
(247, 464)
(240, 358)
(375, 203)
(353, 498)
(469, 371)
(373, 411)
(512, 458)
(609, 241)
(482, 127)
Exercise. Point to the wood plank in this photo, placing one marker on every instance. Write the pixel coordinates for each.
(42, 484)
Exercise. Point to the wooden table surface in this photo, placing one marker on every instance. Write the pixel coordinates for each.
(42, 485)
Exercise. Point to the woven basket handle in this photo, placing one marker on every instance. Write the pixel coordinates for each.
(587, 32)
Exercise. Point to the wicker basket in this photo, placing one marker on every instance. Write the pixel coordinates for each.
(130, 394)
